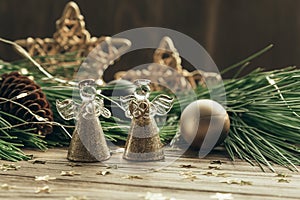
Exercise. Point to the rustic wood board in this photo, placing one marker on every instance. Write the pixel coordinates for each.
(169, 180)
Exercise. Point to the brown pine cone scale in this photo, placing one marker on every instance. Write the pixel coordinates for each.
(14, 84)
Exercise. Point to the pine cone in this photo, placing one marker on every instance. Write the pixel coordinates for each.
(14, 84)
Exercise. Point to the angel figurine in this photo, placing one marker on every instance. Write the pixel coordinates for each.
(88, 143)
(143, 142)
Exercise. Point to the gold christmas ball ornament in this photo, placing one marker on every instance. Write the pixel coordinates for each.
(204, 122)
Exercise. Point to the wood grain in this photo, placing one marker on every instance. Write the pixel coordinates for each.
(151, 178)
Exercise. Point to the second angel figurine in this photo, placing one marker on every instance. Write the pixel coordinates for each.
(143, 142)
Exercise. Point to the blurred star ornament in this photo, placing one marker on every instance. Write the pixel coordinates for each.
(167, 54)
(88, 143)
(143, 142)
(105, 54)
(204, 120)
(167, 66)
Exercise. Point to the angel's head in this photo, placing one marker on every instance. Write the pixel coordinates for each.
(142, 90)
(87, 89)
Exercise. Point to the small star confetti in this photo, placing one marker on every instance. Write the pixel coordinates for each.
(189, 175)
(216, 174)
(216, 167)
(283, 180)
(46, 189)
(45, 178)
(219, 162)
(7, 167)
(69, 173)
(76, 198)
(245, 182)
(132, 177)
(283, 175)
(38, 161)
(5, 186)
(112, 167)
(154, 170)
(103, 173)
(237, 182)
(222, 196)
(74, 164)
(187, 166)
(157, 196)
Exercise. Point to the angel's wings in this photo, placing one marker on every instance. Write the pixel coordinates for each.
(125, 103)
(100, 109)
(67, 109)
(161, 104)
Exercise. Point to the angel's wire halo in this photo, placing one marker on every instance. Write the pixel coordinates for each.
(149, 38)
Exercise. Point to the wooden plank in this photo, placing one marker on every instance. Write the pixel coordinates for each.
(169, 181)
(96, 190)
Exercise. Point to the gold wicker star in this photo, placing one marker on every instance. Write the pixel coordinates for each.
(70, 36)
(180, 79)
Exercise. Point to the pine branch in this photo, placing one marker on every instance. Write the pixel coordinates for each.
(263, 106)
(264, 117)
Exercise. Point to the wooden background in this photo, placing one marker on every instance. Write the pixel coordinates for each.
(228, 30)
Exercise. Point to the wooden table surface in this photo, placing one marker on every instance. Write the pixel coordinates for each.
(186, 178)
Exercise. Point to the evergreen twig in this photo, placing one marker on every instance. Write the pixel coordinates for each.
(263, 109)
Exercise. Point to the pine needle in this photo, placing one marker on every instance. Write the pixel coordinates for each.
(263, 107)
